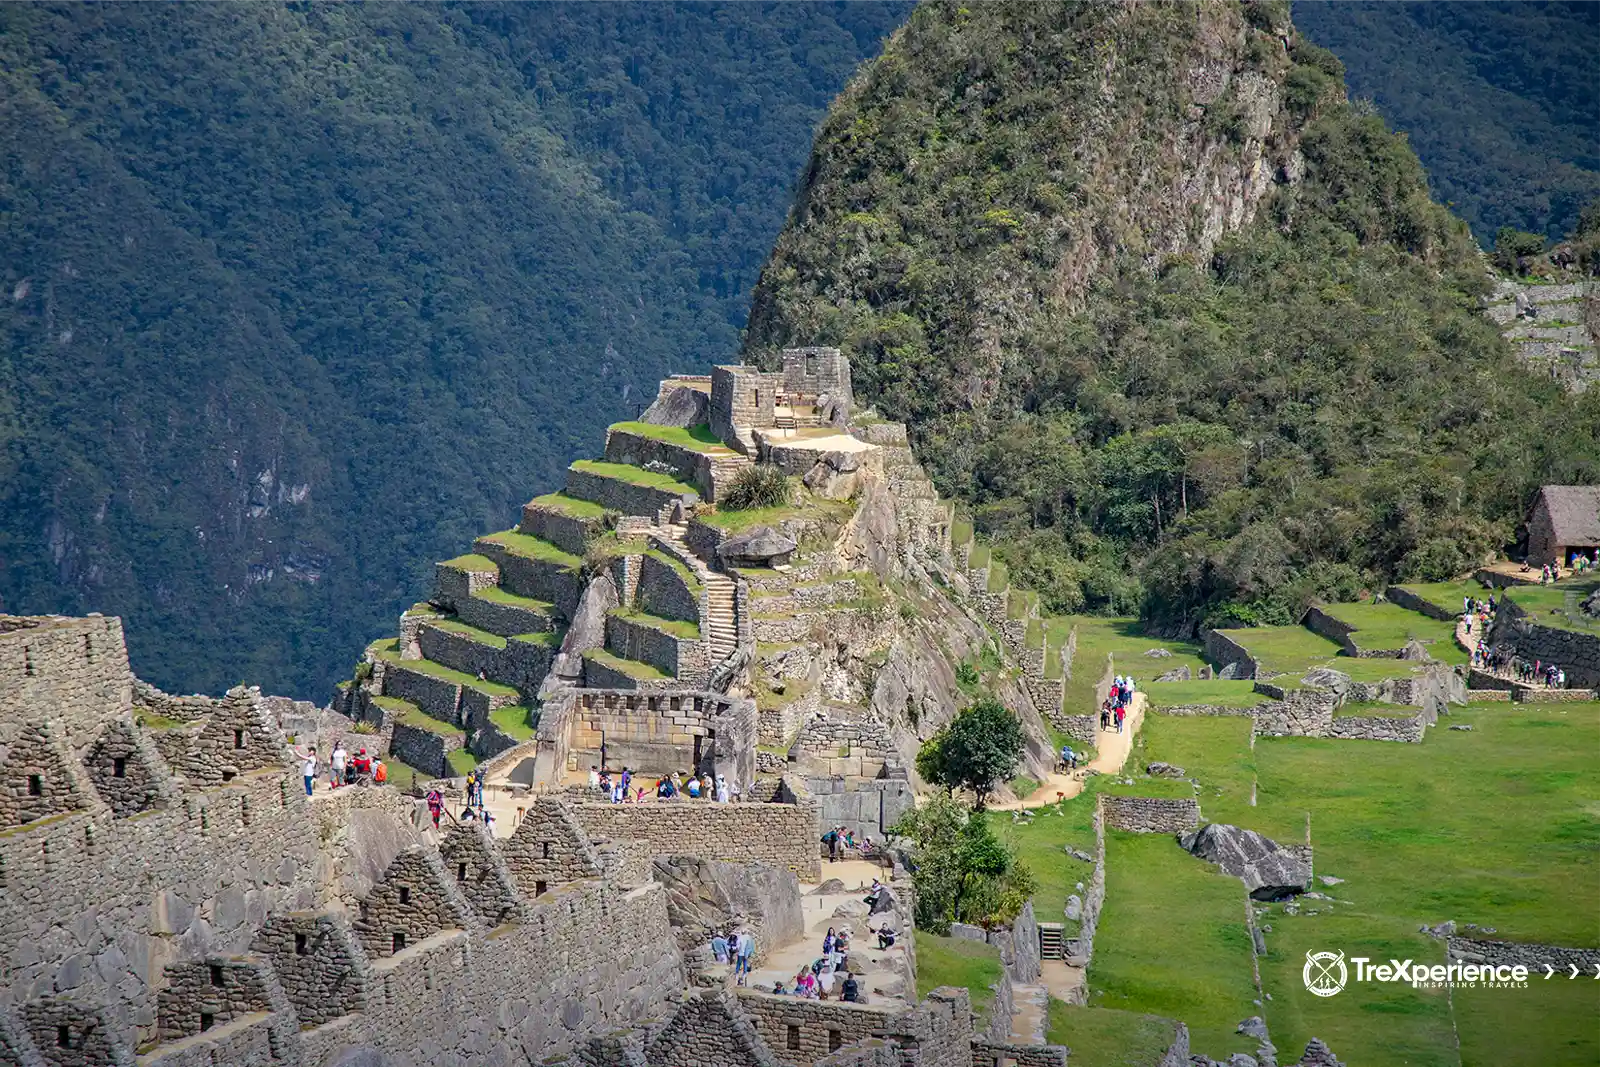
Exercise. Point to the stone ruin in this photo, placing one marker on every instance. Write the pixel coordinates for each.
(173, 898)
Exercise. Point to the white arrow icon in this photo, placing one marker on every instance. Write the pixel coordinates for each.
(1574, 973)
(1548, 972)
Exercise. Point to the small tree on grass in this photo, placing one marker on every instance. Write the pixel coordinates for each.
(978, 750)
(962, 872)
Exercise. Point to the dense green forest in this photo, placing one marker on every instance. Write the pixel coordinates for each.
(1012, 243)
(1500, 100)
(302, 297)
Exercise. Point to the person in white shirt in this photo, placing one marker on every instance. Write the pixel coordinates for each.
(336, 762)
(309, 766)
(594, 779)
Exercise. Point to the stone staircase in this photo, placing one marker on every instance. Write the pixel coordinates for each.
(1050, 943)
(719, 621)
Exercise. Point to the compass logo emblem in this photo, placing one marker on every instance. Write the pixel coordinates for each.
(1324, 973)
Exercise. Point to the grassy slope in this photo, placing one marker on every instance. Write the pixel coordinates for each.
(1386, 626)
(950, 961)
(1105, 1037)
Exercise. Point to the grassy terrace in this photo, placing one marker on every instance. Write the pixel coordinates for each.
(1121, 640)
(1146, 958)
(547, 638)
(513, 721)
(471, 633)
(1364, 708)
(1385, 626)
(641, 672)
(623, 472)
(530, 547)
(446, 674)
(1448, 595)
(460, 762)
(1222, 693)
(569, 505)
(1216, 750)
(472, 562)
(1105, 1037)
(697, 438)
(417, 719)
(1285, 649)
(1544, 602)
(495, 595)
(688, 631)
(964, 964)
(684, 572)
(1039, 845)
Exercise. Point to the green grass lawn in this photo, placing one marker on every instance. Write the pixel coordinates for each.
(495, 595)
(625, 472)
(1284, 649)
(951, 961)
(684, 572)
(1214, 749)
(688, 631)
(471, 633)
(1218, 692)
(460, 762)
(1122, 640)
(1359, 708)
(698, 438)
(447, 674)
(1105, 1037)
(1386, 626)
(635, 669)
(1173, 941)
(1512, 1027)
(472, 562)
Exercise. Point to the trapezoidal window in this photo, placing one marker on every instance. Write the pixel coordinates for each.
(119, 767)
(35, 785)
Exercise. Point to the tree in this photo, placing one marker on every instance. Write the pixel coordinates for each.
(1512, 245)
(962, 872)
(978, 750)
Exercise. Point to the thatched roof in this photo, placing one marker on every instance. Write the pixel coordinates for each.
(1574, 513)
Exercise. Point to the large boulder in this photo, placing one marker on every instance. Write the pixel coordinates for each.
(761, 546)
(678, 405)
(587, 631)
(706, 895)
(1269, 871)
(836, 476)
(1591, 606)
(1177, 674)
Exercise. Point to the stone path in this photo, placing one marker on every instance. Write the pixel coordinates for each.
(1111, 749)
(1028, 1014)
(720, 626)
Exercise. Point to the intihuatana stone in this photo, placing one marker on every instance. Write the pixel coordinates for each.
(677, 406)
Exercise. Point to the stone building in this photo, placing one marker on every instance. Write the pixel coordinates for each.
(1565, 519)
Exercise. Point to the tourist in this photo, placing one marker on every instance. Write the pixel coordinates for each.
(336, 761)
(827, 942)
(851, 992)
(708, 788)
(308, 766)
(831, 839)
(594, 778)
(722, 789)
(805, 984)
(825, 979)
(361, 766)
(694, 788)
(719, 947)
(435, 805)
(605, 783)
(747, 949)
(778, 990)
(663, 789)
(885, 937)
(871, 899)
(380, 773)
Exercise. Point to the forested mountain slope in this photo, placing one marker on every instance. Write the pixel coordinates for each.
(298, 296)
(1152, 293)
(1500, 100)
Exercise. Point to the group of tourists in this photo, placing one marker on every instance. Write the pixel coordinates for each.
(1505, 661)
(843, 839)
(1582, 564)
(1069, 758)
(1477, 614)
(736, 948)
(828, 976)
(342, 769)
(624, 787)
(1115, 707)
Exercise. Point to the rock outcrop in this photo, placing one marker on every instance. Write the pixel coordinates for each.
(1268, 871)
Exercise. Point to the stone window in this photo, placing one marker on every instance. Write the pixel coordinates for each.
(399, 940)
(758, 398)
(540, 888)
(405, 895)
(461, 872)
(63, 1036)
(35, 785)
(238, 739)
(119, 767)
(811, 372)
(793, 1037)
(216, 975)
(302, 945)
(546, 849)
(207, 1020)
(835, 1038)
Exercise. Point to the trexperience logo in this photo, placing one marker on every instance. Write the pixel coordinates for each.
(1326, 973)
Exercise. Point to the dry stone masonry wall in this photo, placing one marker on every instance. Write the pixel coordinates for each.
(783, 835)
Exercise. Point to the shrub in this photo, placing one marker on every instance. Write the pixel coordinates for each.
(364, 727)
(759, 486)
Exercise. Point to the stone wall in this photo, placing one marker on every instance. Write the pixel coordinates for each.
(1574, 651)
(742, 396)
(685, 464)
(687, 660)
(662, 591)
(818, 372)
(318, 963)
(868, 807)
(1320, 622)
(783, 835)
(570, 533)
(845, 743)
(801, 1032)
(997, 1054)
(1302, 713)
(1223, 651)
(38, 777)
(424, 749)
(706, 896)
(538, 579)
(660, 732)
(1149, 815)
(1532, 956)
(1411, 728)
(204, 993)
(126, 770)
(619, 495)
(454, 584)
(73, 671)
